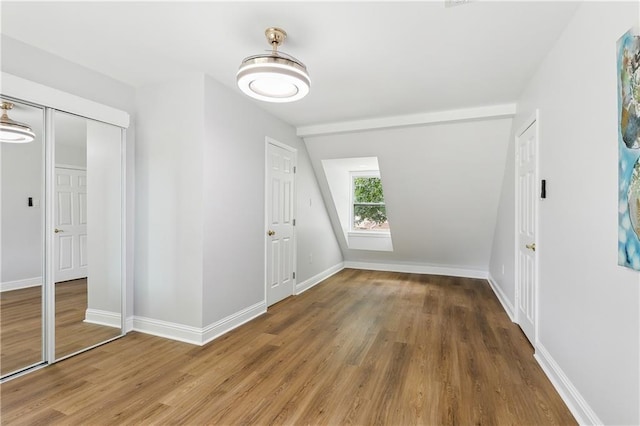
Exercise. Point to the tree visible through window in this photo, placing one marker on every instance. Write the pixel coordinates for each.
(369, 210)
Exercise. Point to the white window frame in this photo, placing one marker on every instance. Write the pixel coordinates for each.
(352, 231)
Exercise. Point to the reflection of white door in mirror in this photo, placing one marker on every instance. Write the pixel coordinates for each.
(71, 224)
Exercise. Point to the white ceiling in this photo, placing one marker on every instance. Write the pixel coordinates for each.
(366, 59)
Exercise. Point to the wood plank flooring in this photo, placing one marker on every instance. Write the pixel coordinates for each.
(361, 348)
(21, 324)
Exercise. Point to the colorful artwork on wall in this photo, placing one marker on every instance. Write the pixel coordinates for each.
(629, 149)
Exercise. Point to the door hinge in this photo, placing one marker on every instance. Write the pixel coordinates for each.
(294, 275)
(294, 222)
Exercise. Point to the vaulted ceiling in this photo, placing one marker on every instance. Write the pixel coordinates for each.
(366, 59)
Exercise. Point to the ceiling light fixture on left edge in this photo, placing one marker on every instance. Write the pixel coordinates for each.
(274, 76)
(12, 131)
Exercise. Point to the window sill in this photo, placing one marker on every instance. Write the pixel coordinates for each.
(370, 234)
(369, 240)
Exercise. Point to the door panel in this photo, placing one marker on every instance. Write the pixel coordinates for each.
(280, 233)
(83, 251)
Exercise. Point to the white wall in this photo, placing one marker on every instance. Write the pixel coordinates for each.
(104, 217)
(71, 155)
(441, 184)
(71, 140)
(589, 308)
(21, 171)
(336, 174)
(318, 249)
(169, 209)
(37, 65)
(200, 233)
(234, 194)
(34, 64)
(169, 288)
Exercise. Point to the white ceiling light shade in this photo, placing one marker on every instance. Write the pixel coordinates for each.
(274, 76)
(12, 131)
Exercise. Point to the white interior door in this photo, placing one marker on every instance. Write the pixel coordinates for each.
(70, 224)
(280, 201)
(526, 221)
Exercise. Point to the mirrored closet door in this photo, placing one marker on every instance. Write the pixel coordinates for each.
(87, 233)
(22, 216)
(61, 233)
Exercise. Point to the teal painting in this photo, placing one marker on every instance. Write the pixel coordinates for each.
(628, 50)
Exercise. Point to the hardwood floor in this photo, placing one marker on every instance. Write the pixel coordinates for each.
(21, 324)
(362, 348)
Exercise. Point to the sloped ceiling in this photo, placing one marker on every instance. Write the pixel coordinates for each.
(442, 185)
(366, 59)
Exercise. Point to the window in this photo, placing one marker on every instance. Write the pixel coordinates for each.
(368, 210)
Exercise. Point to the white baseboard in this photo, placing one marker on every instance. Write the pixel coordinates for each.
(318, 278)
(504, 301)
(96, 316)
(569, 394)
(196, 335)
(18, 284)
(169, 330)
(418, 269)
(227, 324)
(128, 325)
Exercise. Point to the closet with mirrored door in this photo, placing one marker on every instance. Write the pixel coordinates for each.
(62, 225)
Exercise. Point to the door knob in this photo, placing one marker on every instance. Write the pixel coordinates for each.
(58, 230)
(531, 246)
(271, 233)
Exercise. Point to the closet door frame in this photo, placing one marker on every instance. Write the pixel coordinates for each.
(51, 100)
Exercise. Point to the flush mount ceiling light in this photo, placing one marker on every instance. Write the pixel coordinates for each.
(274, 76)
(12, 131)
